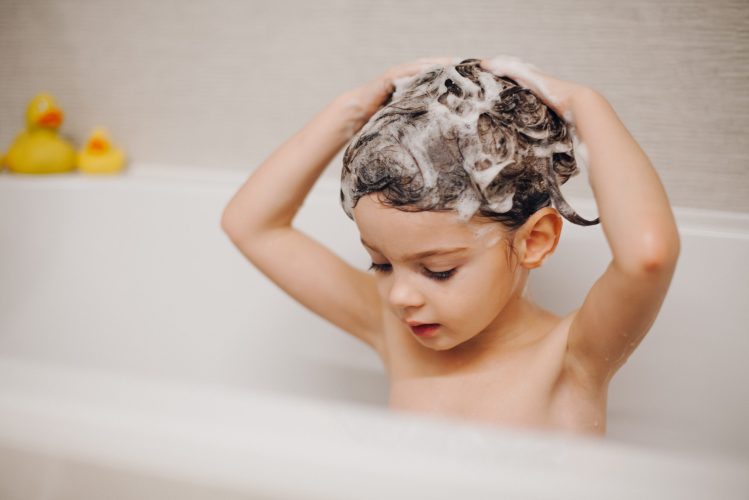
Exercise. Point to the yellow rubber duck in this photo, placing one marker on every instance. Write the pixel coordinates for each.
(99, 156)
(39, 149)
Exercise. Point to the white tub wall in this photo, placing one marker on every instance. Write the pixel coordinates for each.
(30, 475)
(135, 276)
(149, 284)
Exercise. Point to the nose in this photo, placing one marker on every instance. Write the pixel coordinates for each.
(404, 294)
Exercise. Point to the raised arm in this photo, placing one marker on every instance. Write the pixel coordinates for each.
(637, 221)
(272, 195)
(259, 217)
(641, 231)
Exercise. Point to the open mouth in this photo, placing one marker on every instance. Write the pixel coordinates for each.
(425, 330)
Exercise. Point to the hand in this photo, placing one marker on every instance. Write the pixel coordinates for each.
(558, 94)
(366, 100)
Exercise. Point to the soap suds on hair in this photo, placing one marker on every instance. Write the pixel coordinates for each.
(461, 138)
(511, 65)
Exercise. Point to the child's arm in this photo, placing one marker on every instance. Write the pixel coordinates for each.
(636, 218)
(641, 230)
(258, 219)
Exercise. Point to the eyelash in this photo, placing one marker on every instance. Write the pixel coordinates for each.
(438, 276)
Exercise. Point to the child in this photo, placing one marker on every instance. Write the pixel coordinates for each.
(450, 185)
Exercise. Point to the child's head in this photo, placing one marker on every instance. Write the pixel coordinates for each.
(458, 157)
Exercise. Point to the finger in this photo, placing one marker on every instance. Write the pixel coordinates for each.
(526, 74)
(506, 62)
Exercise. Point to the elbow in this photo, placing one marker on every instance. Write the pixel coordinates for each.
(655, 253)
(227, 223)
(660, 254)
(239, 226)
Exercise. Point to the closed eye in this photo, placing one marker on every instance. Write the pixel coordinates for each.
(435, 275)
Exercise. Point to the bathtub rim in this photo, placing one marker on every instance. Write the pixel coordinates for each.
(70, 413)
(690, 220)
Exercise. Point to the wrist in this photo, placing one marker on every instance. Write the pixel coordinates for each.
(582, 96)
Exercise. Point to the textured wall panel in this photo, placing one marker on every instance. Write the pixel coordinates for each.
(222, 83)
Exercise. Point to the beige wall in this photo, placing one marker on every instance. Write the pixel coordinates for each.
(222, 83)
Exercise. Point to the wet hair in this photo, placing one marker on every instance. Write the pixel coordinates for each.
(460, 138)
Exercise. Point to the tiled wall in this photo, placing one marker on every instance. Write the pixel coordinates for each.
(221, 83)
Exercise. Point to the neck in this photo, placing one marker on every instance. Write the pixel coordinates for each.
(518, 325)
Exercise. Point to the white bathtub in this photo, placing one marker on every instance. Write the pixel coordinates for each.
(140, 353)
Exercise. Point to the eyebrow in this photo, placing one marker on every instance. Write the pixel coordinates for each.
(421, 255)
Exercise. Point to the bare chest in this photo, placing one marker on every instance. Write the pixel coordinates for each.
(530, 388)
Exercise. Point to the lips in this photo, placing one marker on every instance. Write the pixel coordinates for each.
(424, 329)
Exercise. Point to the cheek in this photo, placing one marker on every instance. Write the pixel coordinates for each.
(480, 290)
(382, 287)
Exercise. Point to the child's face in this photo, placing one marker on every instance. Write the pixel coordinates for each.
(477, 280)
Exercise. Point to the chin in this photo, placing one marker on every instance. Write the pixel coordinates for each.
(443, 345)
(440, 348)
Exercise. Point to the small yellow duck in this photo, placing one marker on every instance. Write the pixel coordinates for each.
(39, 149)
(99, 156)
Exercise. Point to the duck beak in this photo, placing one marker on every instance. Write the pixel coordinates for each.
(97, 144)
(51, 118)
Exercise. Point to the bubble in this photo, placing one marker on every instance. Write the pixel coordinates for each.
(462, 138)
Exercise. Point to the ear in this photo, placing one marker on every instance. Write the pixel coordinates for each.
(538, 237)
